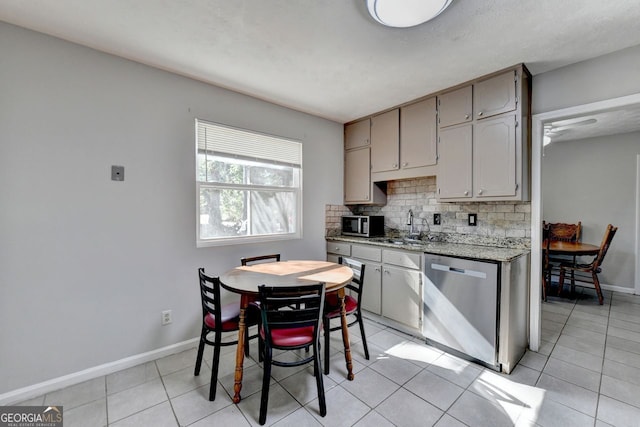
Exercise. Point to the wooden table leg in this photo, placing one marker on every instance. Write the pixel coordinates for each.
(345, 335)
(237, 385)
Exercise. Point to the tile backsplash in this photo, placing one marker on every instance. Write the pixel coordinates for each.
(506, 224)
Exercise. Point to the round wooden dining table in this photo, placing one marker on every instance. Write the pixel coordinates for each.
(572, 249)
(245, 280)
(559, 247)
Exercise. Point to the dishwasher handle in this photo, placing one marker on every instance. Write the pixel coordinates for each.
(449, 269)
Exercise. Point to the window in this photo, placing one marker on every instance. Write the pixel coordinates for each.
(248, 184)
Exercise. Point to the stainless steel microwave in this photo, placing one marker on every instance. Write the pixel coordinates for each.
(363, 225)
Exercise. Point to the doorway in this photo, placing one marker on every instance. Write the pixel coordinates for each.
(538, 122)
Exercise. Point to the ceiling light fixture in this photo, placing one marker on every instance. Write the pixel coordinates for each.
(405, 13)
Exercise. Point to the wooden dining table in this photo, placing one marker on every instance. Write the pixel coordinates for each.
(245, 280)
(572, 249)
(559, 247)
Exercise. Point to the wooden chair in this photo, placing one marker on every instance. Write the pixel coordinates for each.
(284, 328)
(254, 259)
(545, 261)
(592, 268)
(216, 319)
(352, 306)
(563, 232)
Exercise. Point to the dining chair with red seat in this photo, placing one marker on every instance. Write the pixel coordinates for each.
(592, 268)
(217, 319)
(353, 307)
(286, 328)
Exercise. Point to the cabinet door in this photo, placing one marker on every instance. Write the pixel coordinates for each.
(385, 141)
(455, 163)
(357, 134)
(372, 290)
(401, 299)
(418, 134)
(494, 157)
(455, 107)
(357, 177)
(496, 95)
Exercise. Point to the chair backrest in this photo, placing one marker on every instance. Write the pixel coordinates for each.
(288, 307)
(547, 243)
(357, 282)
(564, 232)
(254, 259)
(604, 246)
(210, 296)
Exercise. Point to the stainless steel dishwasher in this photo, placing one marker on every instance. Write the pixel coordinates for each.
(461, 307)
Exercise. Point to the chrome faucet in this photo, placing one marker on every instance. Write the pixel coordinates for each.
(410, 222)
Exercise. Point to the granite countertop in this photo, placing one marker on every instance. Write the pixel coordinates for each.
(492, 253)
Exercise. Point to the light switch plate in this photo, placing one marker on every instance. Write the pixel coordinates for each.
(436, 219)
(473, 219)
(117, 173)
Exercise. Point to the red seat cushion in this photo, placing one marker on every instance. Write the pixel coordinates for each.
(333, 307)
(291, 337)
(230, 317)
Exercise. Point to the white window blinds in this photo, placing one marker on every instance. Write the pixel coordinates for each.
(227, 141)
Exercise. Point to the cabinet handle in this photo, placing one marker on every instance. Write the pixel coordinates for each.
(466, 193)
(480, 113)
(479, 192)
(378, 269)
(395, 165)
(466, 117)
(405, 164)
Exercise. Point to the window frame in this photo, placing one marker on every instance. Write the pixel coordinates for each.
(247, 239)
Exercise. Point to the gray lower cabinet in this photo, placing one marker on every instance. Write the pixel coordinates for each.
(392, 286)
(401, 287)
(394, 291)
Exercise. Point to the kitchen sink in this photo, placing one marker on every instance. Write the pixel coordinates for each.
(403, 242)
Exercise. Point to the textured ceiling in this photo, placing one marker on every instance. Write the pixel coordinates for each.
(328, 57)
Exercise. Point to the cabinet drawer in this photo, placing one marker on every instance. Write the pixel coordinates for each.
(339, 248)
(367, 253)
(402, 259)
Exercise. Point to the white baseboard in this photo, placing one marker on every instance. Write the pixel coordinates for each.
(621, 289)
(604, 286)
(32, 391)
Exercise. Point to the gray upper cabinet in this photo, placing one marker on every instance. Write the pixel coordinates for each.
(454, 176)
(357, 134)
(356, 176)
(495, 95)
(385, 139)
(475, 138)
(418, 143)
(455, 107)
(494, 157)
(358, 187)
(496, 165)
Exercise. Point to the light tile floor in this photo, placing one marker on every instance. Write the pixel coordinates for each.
(587, 373)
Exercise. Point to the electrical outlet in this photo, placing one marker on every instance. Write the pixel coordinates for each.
(436, 219)
(473, 219)
(117, 173)
(166, 317)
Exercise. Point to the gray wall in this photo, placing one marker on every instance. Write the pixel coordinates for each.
(594, 181)
(608, 76)
(88, 264)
